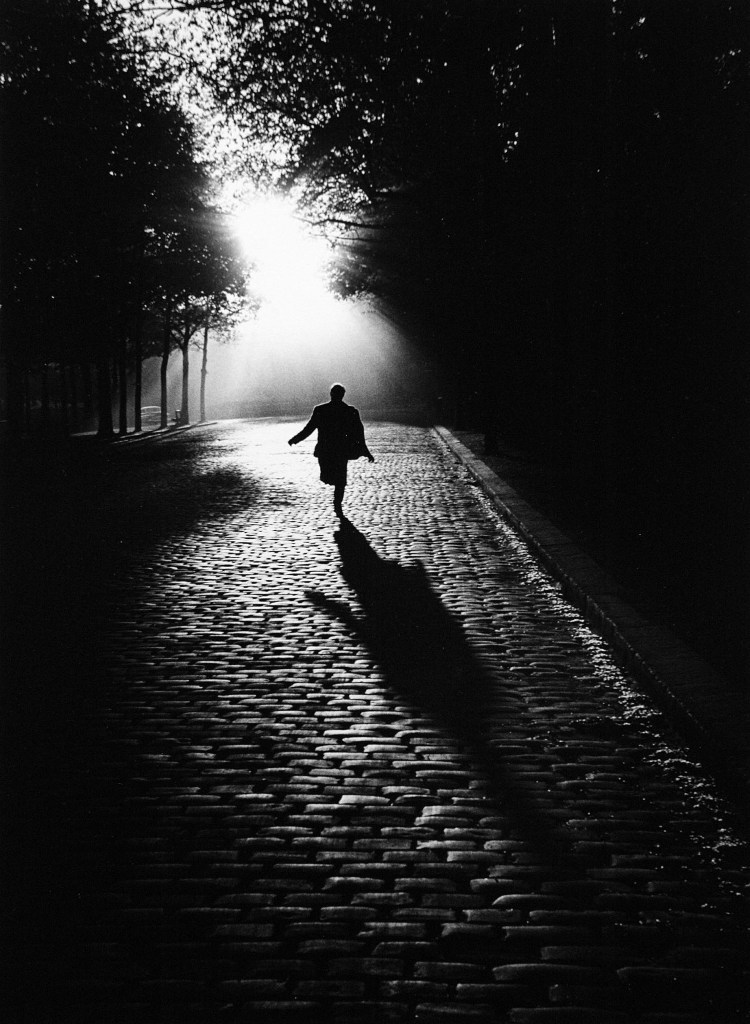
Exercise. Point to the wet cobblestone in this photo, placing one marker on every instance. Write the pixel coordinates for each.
(378, 772)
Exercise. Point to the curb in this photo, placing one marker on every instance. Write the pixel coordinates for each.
(697, 700)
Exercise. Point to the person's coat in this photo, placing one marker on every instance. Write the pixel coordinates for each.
(341, 434)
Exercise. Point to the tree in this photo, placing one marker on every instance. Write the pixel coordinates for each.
(199, 277)
(390, 118)
(223, 311)
(164, 176)
(557, 189)
(470, 155)
(94, 151)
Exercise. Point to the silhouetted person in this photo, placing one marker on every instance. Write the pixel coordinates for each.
(341, 437)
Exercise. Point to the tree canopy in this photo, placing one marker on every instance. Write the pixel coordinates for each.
(543, 182)
(99, 170)
(554, 188)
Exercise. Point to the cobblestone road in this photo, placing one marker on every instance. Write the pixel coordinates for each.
(377, 773)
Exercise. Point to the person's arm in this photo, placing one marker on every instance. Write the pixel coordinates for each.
(306, 430)
(359, 433)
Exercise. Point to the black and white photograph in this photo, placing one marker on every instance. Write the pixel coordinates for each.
(374, 512)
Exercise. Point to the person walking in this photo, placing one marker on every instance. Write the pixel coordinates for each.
(341, 436)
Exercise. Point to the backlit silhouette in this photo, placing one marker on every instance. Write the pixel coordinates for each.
(341, 437)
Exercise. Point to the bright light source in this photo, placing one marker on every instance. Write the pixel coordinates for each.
(302, 337)
(289, 261)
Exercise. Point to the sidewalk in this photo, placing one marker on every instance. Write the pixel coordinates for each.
(276, 769)
(711, 713)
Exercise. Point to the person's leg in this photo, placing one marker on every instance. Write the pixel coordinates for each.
(339, 485)
(338, 497)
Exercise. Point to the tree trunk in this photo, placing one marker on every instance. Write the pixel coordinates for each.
(64, 397)
(88, 394)
(45, 397)
(104, 398)
(609, 428)
(164, 422)
(165, 348)
(138, 343)
(16, 385)
(204, 364)
(26, 400)
(138, 384)
(123, 386)
(74, 420)
(185, 410)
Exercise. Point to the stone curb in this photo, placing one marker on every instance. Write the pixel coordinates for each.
(699, 703)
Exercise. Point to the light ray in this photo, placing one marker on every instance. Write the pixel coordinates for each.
(289, 262)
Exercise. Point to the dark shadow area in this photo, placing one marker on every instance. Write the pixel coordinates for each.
(73, 518)
(669, 528)
(427, 659)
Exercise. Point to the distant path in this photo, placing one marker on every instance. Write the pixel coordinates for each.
(267, 772)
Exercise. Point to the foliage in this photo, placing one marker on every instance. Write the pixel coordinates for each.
(545, 181)
(556, 188)
(100, 180)
(193, 263)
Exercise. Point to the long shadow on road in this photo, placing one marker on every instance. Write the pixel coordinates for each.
(426, 657)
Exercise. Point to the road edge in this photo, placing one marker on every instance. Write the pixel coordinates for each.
(695, 698)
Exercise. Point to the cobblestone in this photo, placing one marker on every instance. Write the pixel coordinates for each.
(373, 772)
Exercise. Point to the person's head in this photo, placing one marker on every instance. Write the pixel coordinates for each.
(337, 393)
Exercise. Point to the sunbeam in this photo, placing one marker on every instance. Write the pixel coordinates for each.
(289, 262)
